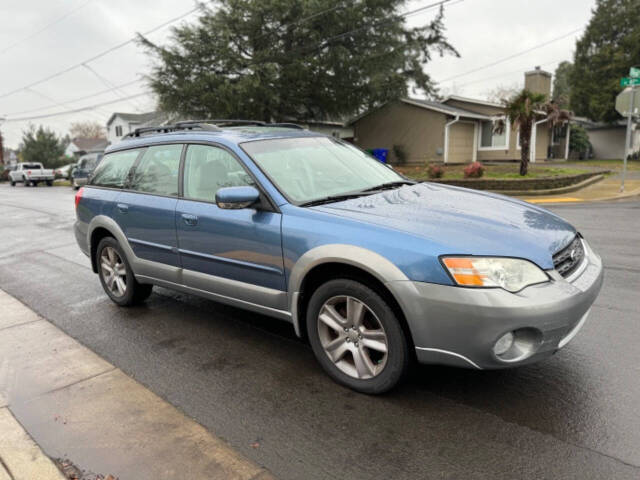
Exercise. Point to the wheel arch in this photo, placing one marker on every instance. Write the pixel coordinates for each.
(99, 228)
(343, 261)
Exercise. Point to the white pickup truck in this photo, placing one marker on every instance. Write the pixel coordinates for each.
(31, 174)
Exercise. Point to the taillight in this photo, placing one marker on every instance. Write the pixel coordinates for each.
(28, 172)
(78, 197)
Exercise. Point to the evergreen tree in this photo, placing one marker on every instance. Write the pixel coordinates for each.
(41, 145)
(277, 60)
(609, 46)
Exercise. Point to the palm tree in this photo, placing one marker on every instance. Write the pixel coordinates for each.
(523, 110)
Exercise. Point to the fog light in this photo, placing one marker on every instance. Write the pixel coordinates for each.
(503, 344)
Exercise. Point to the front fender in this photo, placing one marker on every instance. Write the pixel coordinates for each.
(371, 262)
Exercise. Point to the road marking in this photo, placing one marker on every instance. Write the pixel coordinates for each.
(554, 200)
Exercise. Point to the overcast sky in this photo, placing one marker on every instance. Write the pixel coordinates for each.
(39, 38)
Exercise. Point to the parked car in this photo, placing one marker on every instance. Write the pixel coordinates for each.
(31, 174)
(64, 171)
(4, 175)
(83, 169)
(372, 268)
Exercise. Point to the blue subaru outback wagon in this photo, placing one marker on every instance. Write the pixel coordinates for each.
(375, 270)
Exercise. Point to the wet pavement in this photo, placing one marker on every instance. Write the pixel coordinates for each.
(251, 381)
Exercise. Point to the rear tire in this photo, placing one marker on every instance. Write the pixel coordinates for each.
(49, 183)
(356, 337)
(13, 184)
(116, 276)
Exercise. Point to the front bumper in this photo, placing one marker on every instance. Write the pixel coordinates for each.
(459, 326)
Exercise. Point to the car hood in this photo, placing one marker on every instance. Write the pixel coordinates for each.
(461, 221)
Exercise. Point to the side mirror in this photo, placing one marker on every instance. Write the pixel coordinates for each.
(235, 198)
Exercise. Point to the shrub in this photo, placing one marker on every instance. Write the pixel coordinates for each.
(435, 171)
(474, 170)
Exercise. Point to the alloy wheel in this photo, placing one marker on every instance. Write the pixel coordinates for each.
(352, 337)
(114, 271)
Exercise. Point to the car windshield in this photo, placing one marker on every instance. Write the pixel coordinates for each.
(313, 168)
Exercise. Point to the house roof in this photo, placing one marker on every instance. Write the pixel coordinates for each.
(443, 108)
(472, 100)
(133, 117)
(429, 105)
(591, 125)
(90, 144)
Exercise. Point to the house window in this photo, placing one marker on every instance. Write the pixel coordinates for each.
(489, 139)
(118, 130)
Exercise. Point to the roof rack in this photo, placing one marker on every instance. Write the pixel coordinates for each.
(207, 125)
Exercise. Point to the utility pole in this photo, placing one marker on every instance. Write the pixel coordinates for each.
(629, 110)
(628, 144)
(1, 144)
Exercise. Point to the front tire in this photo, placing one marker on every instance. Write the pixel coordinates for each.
(356, 337)
(116, 276)
(13, 184)
(49, 183)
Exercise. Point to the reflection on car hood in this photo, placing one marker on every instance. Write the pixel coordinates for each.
(463, 221)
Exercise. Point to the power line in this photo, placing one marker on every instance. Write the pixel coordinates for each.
(108, 83)
(91, 107)
(504, 74)
(55, 102)
(100, 55)
(46, 27)
(74, 100)
(513, 56)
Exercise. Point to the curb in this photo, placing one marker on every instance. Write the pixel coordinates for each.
(551, 191)
(20, 456)
(81, 409)
(624, 196)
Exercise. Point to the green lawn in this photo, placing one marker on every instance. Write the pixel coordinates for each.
(505, 171)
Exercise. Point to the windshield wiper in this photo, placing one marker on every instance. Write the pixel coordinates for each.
(388, 185)
(332, 198)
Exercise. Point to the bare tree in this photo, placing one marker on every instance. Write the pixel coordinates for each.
(87, 129)
(500, 93)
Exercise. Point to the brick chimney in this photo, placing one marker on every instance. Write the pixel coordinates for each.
(538, 81)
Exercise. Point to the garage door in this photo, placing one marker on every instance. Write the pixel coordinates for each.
(461, 143)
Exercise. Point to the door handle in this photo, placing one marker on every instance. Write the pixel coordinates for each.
(123, 207)
(189, 219)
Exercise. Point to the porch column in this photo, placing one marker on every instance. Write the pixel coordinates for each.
(566, 139)
(446, 137)
(475, 142)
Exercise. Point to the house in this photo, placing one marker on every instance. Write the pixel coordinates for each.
(456, 129)
(608, 139)
(80, 145)
(120, 124)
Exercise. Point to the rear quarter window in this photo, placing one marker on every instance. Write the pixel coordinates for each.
(114, 169)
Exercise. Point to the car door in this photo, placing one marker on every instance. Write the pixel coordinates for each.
(236, 253)
(145, 211)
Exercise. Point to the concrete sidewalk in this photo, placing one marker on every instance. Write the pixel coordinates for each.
(58, 397)
(606, 189)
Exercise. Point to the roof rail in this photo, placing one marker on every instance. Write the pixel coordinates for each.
(285, 125)
(222, 121)
(171, 128)
(208, 125)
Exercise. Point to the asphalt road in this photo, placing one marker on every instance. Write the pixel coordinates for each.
(249, 380)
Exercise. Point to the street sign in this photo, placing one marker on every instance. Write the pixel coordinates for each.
(629, 81)
(634, 72)
(623, 103)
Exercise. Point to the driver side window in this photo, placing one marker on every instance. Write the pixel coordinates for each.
(208, 169)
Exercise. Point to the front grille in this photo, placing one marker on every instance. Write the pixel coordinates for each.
(567, 260)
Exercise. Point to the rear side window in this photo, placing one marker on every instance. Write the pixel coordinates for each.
(158, 171)
(207, 169)
(114, 169)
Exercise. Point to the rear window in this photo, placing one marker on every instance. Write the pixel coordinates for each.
(114, 169)
(32, 166)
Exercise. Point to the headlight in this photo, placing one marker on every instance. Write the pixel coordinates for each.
(511, 274)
